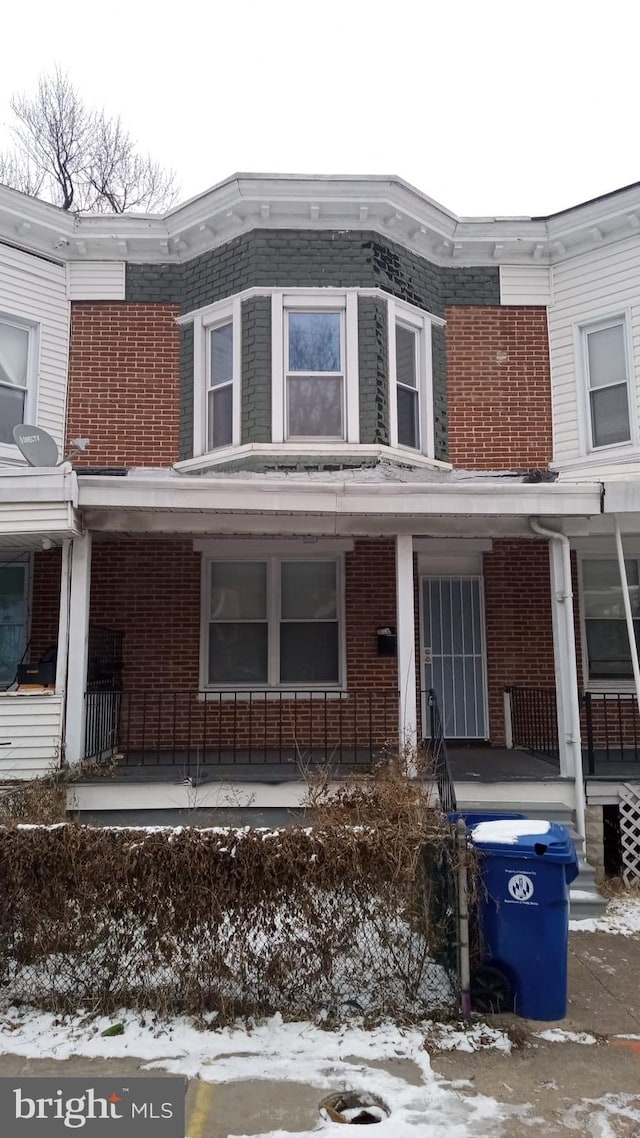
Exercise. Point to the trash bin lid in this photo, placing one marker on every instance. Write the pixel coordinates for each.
(524, 837)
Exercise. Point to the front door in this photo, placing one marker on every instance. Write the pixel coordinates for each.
(453, 652)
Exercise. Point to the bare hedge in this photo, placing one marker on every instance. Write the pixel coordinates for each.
(346, 918)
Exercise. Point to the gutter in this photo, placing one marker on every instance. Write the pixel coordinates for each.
(568, 704)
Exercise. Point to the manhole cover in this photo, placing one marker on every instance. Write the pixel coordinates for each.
(353, 1108)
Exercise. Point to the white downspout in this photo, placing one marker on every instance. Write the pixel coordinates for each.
(633, 647)
(565, 598)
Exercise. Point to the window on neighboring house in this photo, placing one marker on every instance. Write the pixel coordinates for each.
(13, 619)
(605, 626)
(314, 375)
(15, 359)
(605, 355)
(272, 622)
(411, 383)
(220, 386)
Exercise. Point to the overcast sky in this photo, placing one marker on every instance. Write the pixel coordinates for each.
(499, 107)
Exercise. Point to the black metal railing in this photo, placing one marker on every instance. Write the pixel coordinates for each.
(193, 729)
(534, 720)
(436, 752)
(611, 729)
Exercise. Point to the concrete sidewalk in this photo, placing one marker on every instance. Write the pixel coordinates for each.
(553, 1079)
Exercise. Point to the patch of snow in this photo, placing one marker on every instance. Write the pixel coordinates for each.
(462, 1037)
(603, 1117)
(506, 831)
(274, 1050)
(558, 1035)
(621, 917)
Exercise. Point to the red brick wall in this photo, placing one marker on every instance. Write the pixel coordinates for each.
(124, 383)
(499, 388)
(45, 602)
(518, 623)
(150, 590)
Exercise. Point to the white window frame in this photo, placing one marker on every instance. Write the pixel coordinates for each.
(419, 322)
(273, 561)
(227, 312)
(612, 685)
(314, 300)
(582, 331)
(9, 450)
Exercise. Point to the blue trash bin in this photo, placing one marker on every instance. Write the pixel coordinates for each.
(523, 909)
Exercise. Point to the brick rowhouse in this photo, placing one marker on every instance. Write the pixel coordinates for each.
(124, 383)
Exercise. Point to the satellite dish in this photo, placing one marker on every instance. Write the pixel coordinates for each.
(35, 445)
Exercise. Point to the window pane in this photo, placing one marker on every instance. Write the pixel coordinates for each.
(309, 653)
(220, 425)
(408, 417)
(11, 412)
(610, 416)
(314, 341)
(607, 363)
(315, 407)
(237, 653)
(608, 649)
(309, 590)
(238, 590)
(406, 356)
(12, 621)
(603, 591)
(14, 355)
(222, 354)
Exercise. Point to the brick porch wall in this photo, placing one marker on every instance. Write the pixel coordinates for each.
(124, 383)
(518, 623)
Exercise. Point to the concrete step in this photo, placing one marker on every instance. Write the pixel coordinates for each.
(585, 900)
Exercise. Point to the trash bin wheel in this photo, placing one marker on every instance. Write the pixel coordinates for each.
(491, 990)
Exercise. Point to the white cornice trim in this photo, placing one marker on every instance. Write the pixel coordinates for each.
(302, 450)
(386, 205)
(279, 496)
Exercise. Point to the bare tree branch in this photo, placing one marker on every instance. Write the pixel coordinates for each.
(77, 157)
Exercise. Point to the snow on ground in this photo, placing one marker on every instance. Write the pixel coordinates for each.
(274, 1050)
(622, 917)
(558, 1035)
(608, 1117)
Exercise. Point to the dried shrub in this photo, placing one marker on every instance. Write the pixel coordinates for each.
(233, 922)
(40, 801)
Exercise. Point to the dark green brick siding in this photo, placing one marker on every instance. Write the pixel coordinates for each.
(314, 259)
(439, 369)
(185, 442)
(256, 370)
(373, 367)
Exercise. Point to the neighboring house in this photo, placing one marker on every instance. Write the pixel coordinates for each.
(329, 472)
(37, 507)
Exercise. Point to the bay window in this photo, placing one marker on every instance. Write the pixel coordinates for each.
(605, 357)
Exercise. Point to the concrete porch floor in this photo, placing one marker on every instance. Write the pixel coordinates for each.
(472, 763)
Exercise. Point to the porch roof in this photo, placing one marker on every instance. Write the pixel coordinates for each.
(364, 494)
(38, 504)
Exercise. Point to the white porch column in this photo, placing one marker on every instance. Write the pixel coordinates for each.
(406, 639)
(78, 647)
(566, 670)
(63, 619)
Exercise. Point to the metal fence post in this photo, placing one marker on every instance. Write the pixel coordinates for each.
(463, 919)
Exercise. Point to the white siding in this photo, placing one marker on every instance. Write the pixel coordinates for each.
(36, 290)
(525, 284)
(40, 518)
(601, 283)
(96, 280)
(30, 734)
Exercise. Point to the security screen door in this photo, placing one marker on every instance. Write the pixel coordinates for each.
(454, 654)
